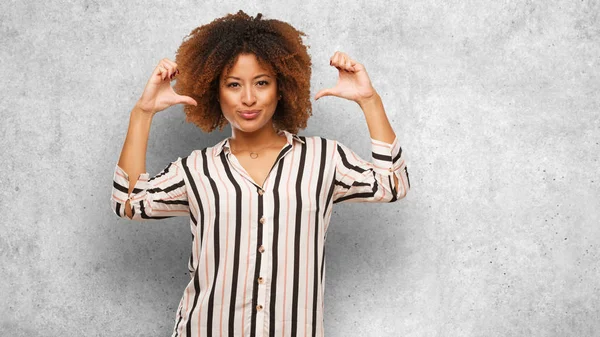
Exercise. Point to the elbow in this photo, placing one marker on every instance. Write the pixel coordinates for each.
(402, 184)
(404, 191)
(400, 192)
(397, 196)
(120, 209)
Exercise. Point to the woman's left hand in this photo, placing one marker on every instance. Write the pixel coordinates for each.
(353, 84)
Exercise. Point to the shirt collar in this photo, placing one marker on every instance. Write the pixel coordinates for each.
(224, 144)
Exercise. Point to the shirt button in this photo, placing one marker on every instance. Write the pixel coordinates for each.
(261, 249)
(261, 280)
(259, 307)
(262, 220)
(260, 191)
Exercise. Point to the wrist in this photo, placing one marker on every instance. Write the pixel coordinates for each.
(369, 101)
(140, 114)
(140, 110)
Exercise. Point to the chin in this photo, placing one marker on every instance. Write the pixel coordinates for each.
(263, 120)
(250, 126)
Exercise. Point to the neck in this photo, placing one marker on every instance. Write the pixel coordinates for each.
(253, 140)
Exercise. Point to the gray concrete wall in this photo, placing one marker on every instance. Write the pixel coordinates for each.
(496, 105)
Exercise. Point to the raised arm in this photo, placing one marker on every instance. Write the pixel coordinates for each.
(133, 154)
(377, 122)
(157, 96)
(354, 84)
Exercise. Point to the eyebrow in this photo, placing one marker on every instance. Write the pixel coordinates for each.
(237, 78)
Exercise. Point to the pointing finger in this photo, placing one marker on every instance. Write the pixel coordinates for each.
(323, 92)
(187, 100)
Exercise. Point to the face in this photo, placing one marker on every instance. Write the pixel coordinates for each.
(248, 95)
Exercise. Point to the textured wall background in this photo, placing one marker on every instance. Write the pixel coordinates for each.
(496, 105)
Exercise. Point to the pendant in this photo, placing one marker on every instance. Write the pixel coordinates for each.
(253, 155)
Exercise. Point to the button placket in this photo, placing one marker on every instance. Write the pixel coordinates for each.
(264, 266)
(264, 225)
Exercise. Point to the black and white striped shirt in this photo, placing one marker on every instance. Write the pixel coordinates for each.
(257, 264)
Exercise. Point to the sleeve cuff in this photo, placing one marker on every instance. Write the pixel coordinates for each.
(121, 186)
(387, 158)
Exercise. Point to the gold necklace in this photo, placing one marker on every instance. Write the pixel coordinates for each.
(253, 154)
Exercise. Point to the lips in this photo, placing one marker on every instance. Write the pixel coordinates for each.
(249, 114)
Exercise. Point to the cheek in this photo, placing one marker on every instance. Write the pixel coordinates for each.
(228, 99)
(271, 95)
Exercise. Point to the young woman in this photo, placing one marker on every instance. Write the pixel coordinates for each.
(260, 201)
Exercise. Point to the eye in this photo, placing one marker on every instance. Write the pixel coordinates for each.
(230, 85)
(265, 83)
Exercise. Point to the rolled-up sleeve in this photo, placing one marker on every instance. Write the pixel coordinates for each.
(357, 180)
(162, 196)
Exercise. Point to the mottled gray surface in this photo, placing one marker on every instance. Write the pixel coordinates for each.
(496, 105)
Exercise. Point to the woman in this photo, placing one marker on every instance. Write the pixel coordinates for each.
(260, 201)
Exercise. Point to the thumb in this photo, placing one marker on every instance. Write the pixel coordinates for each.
(186, 100)
(324, 92)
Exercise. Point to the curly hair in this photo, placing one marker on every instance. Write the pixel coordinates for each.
(213, 48)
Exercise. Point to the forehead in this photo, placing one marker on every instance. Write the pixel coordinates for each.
(247, 65)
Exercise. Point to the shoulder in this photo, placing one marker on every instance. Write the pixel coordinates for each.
(196, 157)
(206, 153)
(317, 145)
(314, 139)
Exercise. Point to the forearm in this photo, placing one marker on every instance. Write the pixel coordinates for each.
(133, 154)
(377, 121)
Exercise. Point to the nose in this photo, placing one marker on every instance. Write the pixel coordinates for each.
(248, 96)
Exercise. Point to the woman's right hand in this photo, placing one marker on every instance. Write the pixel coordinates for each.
(158, 94)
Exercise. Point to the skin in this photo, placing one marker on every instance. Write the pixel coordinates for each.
(249, 94)
(355, 85)
(250, 86)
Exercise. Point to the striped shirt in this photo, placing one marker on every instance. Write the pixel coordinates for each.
(257, 265)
